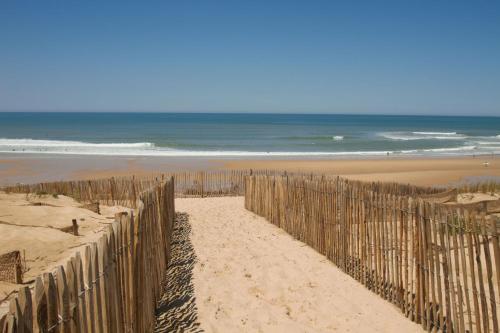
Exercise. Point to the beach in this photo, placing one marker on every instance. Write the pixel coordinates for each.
(249, 166)
(244, 273)
(417, 170)
(422, 150)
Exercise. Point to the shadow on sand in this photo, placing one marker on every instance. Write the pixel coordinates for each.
(177, 311)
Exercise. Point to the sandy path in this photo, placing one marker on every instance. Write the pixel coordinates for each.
(251, 276)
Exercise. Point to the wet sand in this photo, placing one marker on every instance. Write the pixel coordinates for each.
(420, 171)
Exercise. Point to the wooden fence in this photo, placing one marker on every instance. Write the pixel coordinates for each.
(115, 284)
(439, 265)
(481, 186)
(123, 190)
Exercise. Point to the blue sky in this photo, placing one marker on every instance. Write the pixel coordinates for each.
(404, 57)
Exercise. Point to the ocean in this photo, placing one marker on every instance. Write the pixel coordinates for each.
(241, 135)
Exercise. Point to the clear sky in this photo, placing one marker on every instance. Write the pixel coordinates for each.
(407, 57)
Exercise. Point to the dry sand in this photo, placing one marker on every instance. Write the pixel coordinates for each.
(33, 230)
(418, 171)
(253, 277)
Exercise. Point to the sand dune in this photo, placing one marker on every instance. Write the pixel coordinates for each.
(30, 224)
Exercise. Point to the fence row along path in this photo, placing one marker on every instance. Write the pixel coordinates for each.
(252, 276)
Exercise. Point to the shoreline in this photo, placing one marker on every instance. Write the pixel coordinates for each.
(32, 168)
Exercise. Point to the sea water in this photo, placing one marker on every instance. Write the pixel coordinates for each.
(240, 135)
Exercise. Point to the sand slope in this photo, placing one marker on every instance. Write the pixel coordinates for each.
(253, 277)
(33, 229)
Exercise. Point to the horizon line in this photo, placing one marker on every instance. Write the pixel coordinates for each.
(249, 113)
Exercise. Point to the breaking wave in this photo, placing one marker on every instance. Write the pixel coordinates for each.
(69, 144)
(405, 136)
(150, 149)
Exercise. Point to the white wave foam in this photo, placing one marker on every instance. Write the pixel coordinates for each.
(148, 149)
(338, 138)
(437, 150)
(406, 136)
(495, 143)
(435, 133)
(69, 144)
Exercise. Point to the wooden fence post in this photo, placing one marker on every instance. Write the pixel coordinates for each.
(75, 227)
(82, 295)
(89, 295)
(73, 299)
(26, 306)
(202, 183)
(40, 324)
(96, 288)
(63, 301)
(51, 298)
